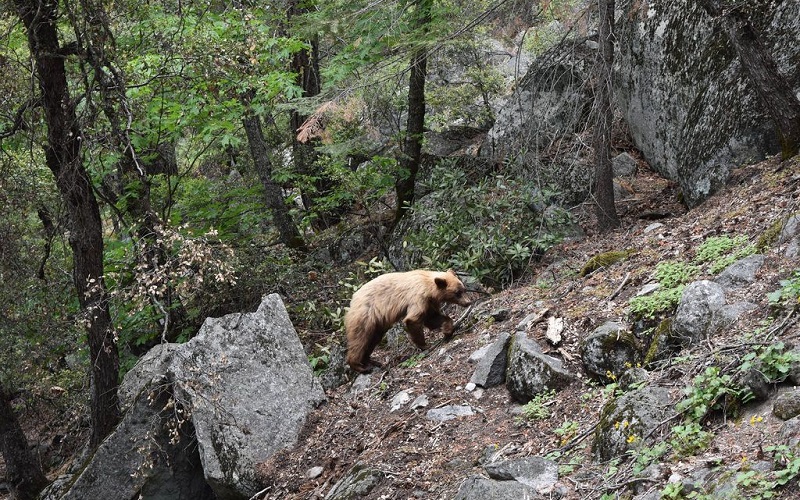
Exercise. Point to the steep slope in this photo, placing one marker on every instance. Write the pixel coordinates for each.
(415, 457)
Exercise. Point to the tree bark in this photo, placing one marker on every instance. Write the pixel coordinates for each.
(604, 176)
(24, 474)
(63, 158)
(305, 64)
(273, 195)
(773, 89)
(415, 123)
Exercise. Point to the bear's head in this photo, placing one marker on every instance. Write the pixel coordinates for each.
(451, 289)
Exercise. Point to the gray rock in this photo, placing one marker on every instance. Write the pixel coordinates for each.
(537, 473)
(627, 420)
(449, 412)
(476, 356)
(790, 432)
(610, 348)
(695, 310)
(151, 368)
(741, 272)
(481, 488)
(491, 369)
(787, 405)
(624, 165)
(693, 112)
(728, 314)
(790, 236)
(147, 456)
(356, 483)
(249, 385)
(531, 372)
(201, 415)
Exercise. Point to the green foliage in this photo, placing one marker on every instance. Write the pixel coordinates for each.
(689, 439)
(774, 361)
(484, 229)
(537, 408)
(789, 292)
(718, 252)
(708, 392)
(566, 431)
(364, 186)
(412, 361)
(672, 277)
(319, 359)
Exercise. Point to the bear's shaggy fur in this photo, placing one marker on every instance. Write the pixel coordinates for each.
(414, 297)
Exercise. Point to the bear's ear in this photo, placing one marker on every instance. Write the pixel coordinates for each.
(440, 282)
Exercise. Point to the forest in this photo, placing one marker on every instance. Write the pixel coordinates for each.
(164, 162)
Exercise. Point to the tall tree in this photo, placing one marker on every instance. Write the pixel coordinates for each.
(774, 91)
(305, 65)
(415, 122)
(601, 141)
(63, 157)
(273, 194)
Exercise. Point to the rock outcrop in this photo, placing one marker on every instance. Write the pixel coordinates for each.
(201, 415)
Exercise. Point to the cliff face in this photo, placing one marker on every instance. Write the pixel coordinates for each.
(684, 95)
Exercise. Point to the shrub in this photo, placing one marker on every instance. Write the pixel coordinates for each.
(487, 229)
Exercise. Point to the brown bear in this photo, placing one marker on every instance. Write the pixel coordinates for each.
(414, 297)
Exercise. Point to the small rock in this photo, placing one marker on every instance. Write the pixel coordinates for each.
(400, 399)
(479, 354)
(623, 165)
(449, 412)
(500, 315)
(648, 288)
(787, 405)
(470, 387)
(314, 472)
(652, 227)
(741, 272)
(422, 400)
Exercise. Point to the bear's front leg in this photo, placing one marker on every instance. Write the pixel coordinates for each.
(447, 327)
(415, 332)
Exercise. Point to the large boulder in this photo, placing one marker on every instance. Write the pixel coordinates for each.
(249, 385)
(694, 317)
(201, 415)
(531, 372)
(688, 103)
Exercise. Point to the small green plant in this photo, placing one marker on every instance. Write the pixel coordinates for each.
(647, 455)
(789, 292)
(320, 359)
(672, 276)
(788, 460)
(566, 431)
(773, 361)
(721, 251)
(708, 391)
(537, 408)
(690, 439)
(412, 361)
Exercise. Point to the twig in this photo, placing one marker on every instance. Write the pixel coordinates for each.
(620, 287)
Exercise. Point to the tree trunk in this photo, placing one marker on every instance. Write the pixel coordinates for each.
(773, 89)
(415, 124)
(62, 154)
(601, 141)
(273, 195)
(23, 472)
(305, 64)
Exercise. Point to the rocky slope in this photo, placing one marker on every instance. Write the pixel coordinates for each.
(382, 424)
